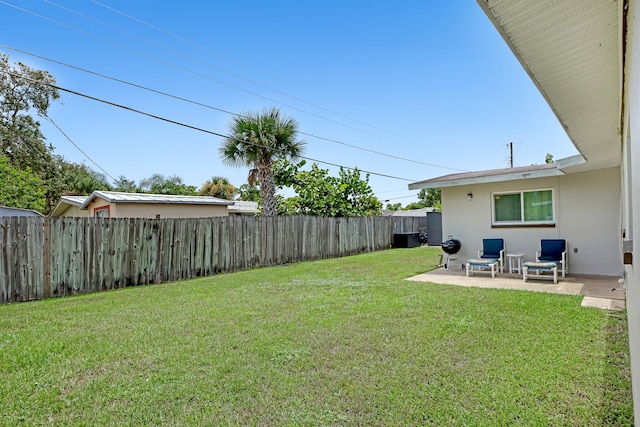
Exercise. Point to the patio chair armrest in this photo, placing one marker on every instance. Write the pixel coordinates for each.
(480, 252)
(538, 255)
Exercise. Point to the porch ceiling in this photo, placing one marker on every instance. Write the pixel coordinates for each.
(572, 52)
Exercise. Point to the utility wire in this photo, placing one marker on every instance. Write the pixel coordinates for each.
(219, 109)
(204, 48)
(186, 69)
(79, 149)
(113, 104)
(175, 52)
(401, 197)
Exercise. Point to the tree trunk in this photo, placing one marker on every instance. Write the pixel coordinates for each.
(267, 189)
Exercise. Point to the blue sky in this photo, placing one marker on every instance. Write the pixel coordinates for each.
(429, 82)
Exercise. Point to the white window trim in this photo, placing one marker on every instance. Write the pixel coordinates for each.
(522, 222)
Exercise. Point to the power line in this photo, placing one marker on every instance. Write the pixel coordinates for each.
(401, 197)
(79, 149)
(391, 191)
(219, 109)
(113, 104)
(186, 69)
(204, 48)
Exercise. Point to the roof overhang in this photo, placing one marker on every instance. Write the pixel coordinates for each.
(483, 177)
(573, 52)
(64, 203)
(564, 166)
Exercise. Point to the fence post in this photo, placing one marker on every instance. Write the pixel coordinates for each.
(46, 257)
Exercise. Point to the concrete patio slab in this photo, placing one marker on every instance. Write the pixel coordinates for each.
(599, 291)
(604, 303)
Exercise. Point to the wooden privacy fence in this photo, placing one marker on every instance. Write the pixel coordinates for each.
(62, 256)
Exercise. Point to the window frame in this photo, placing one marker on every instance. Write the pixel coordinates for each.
(101, 209)
(522, 222)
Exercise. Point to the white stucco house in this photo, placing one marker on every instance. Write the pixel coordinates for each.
(552, 201)
(584, 57)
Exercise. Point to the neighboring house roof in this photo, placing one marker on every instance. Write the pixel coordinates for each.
(243, 207)
(117, 197)
(573, 52)
(407, 212)
(74, 200)
(7, 211)
(64, 203)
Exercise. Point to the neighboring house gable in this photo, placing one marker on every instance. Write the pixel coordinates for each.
(70, 206)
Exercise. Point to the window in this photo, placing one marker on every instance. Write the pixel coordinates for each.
(523, 207)
(101, 212)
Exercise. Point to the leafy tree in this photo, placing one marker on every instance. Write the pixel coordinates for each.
(20, 188)
(430, 196)
(219, 187)
(319, 194)
(125, 185)
(24, 90)
(548, 158)
(79, 179)
(159, 184)
(256, 140)
(394, 206)
(427, 198)
(414, 205)
(249, 193)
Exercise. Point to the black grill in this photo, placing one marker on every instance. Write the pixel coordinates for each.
(451, 246)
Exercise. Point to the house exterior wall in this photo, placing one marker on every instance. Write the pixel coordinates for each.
(74, 211)
(150, 210)
(583, 216)
(631, 182)
(98, 203)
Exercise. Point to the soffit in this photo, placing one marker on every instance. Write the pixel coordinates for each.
(572, 52)
(494, 175)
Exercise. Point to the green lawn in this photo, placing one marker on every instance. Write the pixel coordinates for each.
(335, 342)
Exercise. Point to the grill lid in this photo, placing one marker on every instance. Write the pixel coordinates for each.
(451, 245)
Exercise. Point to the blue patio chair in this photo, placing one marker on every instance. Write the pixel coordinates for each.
(493, 249)
(553, 250)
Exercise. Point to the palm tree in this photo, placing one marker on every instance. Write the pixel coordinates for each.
(220, 187)
(256, 140)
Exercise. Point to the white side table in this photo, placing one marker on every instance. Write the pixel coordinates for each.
(515, 262)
